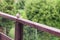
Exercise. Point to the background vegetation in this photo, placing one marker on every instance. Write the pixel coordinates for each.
(42, 11)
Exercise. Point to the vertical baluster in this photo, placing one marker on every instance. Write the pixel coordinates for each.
(0, 36)
(18, 30)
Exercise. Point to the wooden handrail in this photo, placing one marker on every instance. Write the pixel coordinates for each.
(4, 37)
(38, 26)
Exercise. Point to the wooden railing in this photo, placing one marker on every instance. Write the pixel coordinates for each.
(4, 37)
(19, 22)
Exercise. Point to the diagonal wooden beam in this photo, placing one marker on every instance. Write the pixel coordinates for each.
(38, 26)
(4, 37)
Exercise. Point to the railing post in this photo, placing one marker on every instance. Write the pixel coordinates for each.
(0, 36)
(18, 30)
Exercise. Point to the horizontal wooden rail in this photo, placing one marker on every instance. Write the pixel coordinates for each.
(38, 26)
(4, 37)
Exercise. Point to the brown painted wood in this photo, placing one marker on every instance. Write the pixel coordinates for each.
(18, 31)
(38, 26)
(4, 37)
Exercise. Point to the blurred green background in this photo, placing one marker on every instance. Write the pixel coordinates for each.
(41, 11)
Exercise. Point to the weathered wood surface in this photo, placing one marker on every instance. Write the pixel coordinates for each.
(4, 37)
(38, 26)
(18, 29)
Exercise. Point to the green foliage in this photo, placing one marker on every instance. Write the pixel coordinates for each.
(23, 14)
(41, 11)
(20, 4)
(44, 12)
(11, 33)
(7, 6)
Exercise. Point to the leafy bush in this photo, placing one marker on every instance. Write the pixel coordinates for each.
(44, 12)
(10, 8)
(11, 33)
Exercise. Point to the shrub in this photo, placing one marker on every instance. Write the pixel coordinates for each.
(10, 8)
(44, 12)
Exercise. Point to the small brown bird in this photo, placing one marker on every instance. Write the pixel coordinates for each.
(17, 15)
